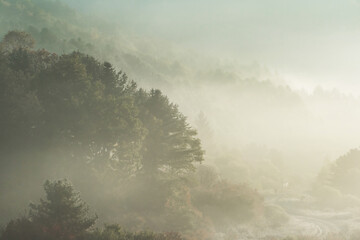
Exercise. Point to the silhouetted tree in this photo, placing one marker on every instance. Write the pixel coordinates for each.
(62, 215)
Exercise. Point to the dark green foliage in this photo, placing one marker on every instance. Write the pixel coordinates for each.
(62, 215)
(170, 144)
(73, 112)
(21, 228)
(114, 232)
(93, 112)
(15, 40)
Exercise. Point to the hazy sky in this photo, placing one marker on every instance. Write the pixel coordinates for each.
(307, 42)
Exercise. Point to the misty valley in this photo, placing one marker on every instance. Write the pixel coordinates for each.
(151, 120)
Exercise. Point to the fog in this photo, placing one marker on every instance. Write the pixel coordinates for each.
(308, 42)
(271, 88)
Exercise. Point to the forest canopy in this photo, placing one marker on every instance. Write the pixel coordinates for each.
(74, 101)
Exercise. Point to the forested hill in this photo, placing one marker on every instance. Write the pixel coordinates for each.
(153, 62)
(58, 28)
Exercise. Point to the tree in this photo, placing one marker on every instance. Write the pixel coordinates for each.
(171, 144)
(14, 40)
(345, 171)
(64, 216)
(61, 216)
(89, 108)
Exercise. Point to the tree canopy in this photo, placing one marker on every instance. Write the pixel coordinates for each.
(93, 112)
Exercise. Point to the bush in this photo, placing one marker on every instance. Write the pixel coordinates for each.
(226, 204)
(276, 215)
(23, 229)
(115, 232)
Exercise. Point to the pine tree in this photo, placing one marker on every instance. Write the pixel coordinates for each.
(62, 214)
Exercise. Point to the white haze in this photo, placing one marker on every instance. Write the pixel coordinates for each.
(309, 42)
(277, 82)
(219, 46)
